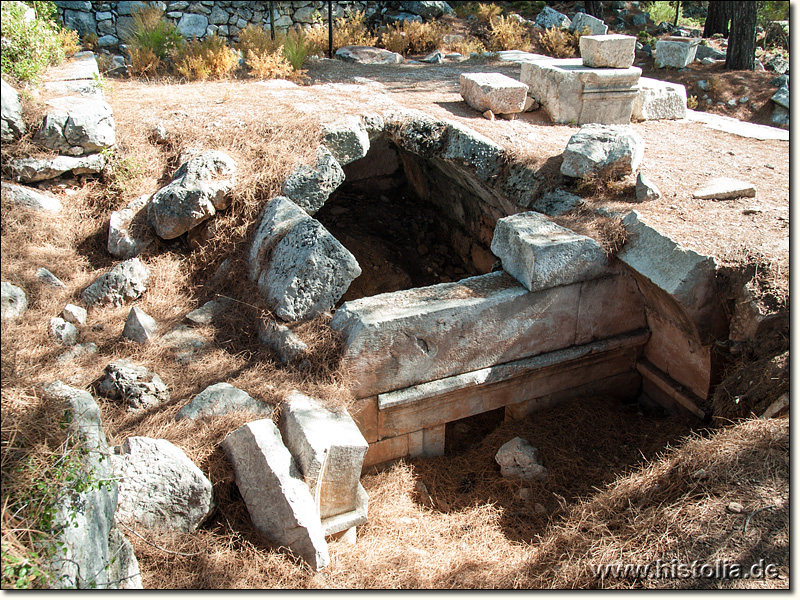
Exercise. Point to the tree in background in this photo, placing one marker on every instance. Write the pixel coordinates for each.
(594, 8)
(741, 53)
(719, 15)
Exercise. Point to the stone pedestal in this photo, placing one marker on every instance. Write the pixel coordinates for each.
(571, 92)
(676, 52)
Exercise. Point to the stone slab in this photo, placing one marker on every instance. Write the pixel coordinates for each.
(664, 390)
(583, 22)
(736, 127)
(541, 254)
(675, 52)
(573, 93)
(725, 188)
(659, 100)
(615, 50)
(349, 520)
(493, 91)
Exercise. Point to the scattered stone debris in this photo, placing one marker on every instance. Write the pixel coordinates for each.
(127, 281)
(725, 188)
(14, 301)
(735, 507)
(646, 189)
(76, 315)
(77, 351)
(518, 459)
(24, 196)
(66, 334)
(206, 314)
(367, 55)
(599, 149)
(47, 278)
(139, 326)
(137, 386)
(221, 399)
(185, 342)
(128, 235)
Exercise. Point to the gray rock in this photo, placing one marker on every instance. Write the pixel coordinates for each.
(434, 58)
(24, 196)
(708, 52)
(427, 9)
(137, 386)
(206, 313)
(541, 255)
(160, 487)
(676, 54)
(478, 154)
(88, 549)
(639, 20)
(127, 281)
(13, 301)
(781, 81)
(218, 16)
(583, 21)
(277, 498)
(28, 170)
(80, 21)
(77, 351)
(222, 399)
(128, 235)
(646, 189)
(74, 314)
(277, 218)
(128, 7)
(197, 191)
(282, 340)
(192, 25)
(781, 97)
(602, 150)
(779, 65)
(12, 125)
(725, 188)
(309, 272)
(66, 334)
(549, 18)
(703, 85)
(780, 116)
(346, 139)
(186, 343)
(368, 55)
(329, 450)
(139, 326)
(77, 125)
(518, 459)
(310, 187)
(108, 41)
(493, 91)
(47, 278)
(556, 202)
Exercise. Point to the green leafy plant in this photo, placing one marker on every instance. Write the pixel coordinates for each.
(295, 48)
(691, 102)
(31, 45)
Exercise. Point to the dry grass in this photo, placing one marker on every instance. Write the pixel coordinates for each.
(559, 43)
(210, 58)
(409, 37)
(506, 33)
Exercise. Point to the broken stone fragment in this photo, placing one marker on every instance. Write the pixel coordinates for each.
(206, 313)
(310, 187)
(541, 254)
(14, 301)
(646, 189)
(278, 216)
(602, 150)
(518, 459)
(77, 125)
(139, 326)
(29, 170)
(197, 191)
(367, 55)
(128, 235)
(159, 486)
(289, 347)
(64, 333)
(127, 281)
(47, 277)
(77, 351)
(220, 399)
(277, 498)
(74, 314)
(24, 196)
(136, 385)
(12, 125)
(347, 139)
(725, 188)
(493, 91)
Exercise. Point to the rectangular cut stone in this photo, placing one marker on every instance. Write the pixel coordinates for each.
(608, 307)
(659, 100)
(400, 339)
(439, 402)
(541, 254)
(344, 521)
(365, 414)
(615, 50)
(493, 91)
(571, 92)
(383, 451)
(277, 499)
(427, 442)
(666, 391)
(676, 52)
(328, 448)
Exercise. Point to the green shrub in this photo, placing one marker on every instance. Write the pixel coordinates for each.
(30, 46)
(295, 48)
(151, 41)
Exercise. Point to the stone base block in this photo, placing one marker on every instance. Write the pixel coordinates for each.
(659, 100)
(493, 91)
(676, 52)
(615, 50)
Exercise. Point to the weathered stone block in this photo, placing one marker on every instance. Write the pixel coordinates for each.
(615, 50)
(12, 125)
(329, 450)
(14, 301)
(128, 235)
(139, 326)
(347, 139)
(310, 187)
(277, 498)
(659, 100)
(368, 55)
(77, 125)
(541, 254)
(221, 399)
(605, 150)
(24, 196)
(493, 91)
(676, 52)
(583, 22)
(725, 188)
(277, 218)
(127, 281)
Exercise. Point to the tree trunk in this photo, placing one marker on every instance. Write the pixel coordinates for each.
(677, 12)
(719, 14)
(595, 9)
(741, 53)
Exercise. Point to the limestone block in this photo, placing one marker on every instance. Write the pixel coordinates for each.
(493, 91)
(139, 326)
(659, 100)
(550, 17)
(615, 50)
(159, 486)
(582, 22)
(277, 218)
(309, 272)
(573, 93)
(518, 459)
(220, 399)
(467, 148)
(24, 196)
(725, 188)
(14, 301)
(12, 125)
(77, 125)
(347, 139)
(282, 340)
(541, 254)
(277, 498)
(62, 332)
(368, 55)
(610, 150)
(197, 191)
(137, 386)
(74, 314)
(310, 187)
(127, 281)
(395, 340)
(676, 52)
(128, 235)
(329, 450)
(29, 170)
